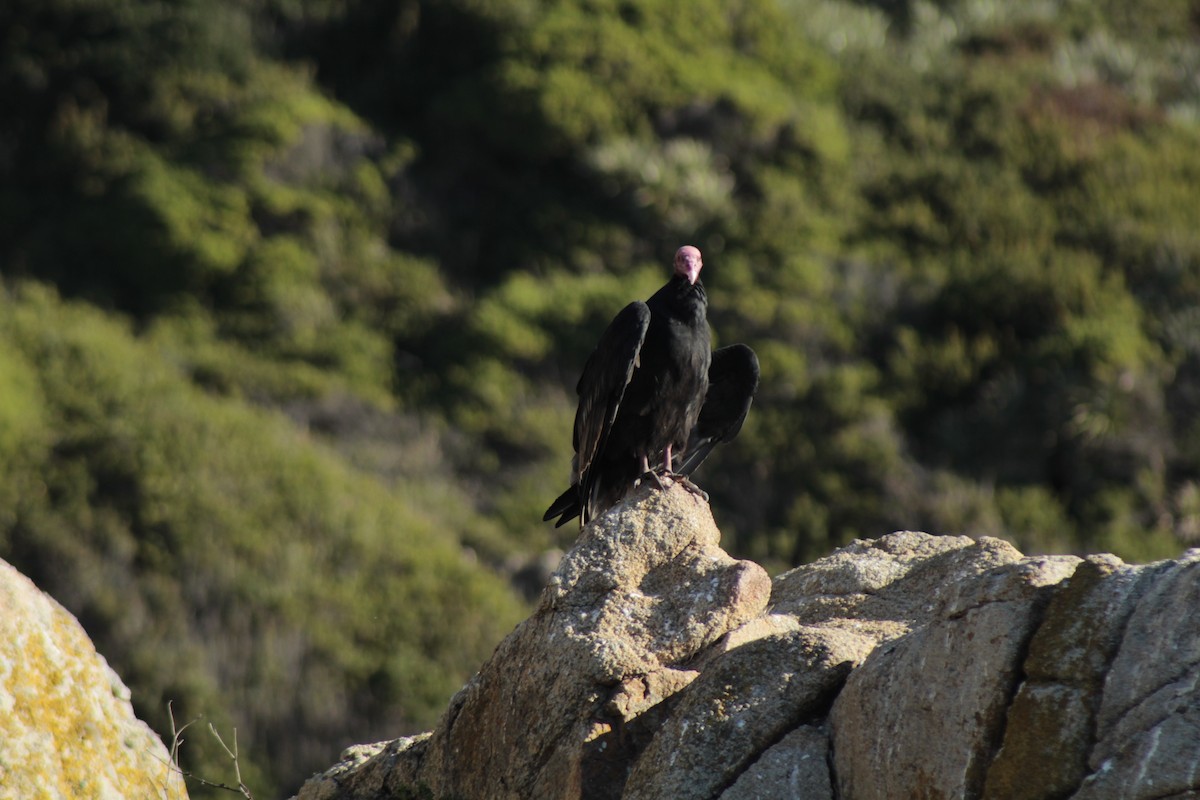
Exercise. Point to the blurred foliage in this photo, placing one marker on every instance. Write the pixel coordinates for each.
(223, 557)
(296, 293)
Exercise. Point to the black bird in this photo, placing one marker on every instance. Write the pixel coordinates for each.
(640, 393)
(732, 383)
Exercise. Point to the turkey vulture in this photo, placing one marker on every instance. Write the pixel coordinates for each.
(621, 359)
(732, 384)
(641, 393)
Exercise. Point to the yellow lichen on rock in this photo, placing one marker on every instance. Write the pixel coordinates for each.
(67, 729)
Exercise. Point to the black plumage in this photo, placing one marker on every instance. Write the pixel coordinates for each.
(642, 392)
(732, 384)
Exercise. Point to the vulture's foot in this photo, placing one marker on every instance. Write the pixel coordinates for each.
(662, 481)
(693, 488)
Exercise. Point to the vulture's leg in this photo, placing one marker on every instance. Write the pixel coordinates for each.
(649, 473)
(687, 483)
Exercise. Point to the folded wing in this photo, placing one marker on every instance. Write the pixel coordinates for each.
(732, 384)
(601, 389)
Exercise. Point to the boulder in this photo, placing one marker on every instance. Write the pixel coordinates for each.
(67, 729)
(656, 666)
(565, 704)
(928, 709)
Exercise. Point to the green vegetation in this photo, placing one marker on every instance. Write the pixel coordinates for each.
(295, 293)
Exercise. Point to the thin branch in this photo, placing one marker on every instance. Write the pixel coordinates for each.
(177, 740)
(233, 755)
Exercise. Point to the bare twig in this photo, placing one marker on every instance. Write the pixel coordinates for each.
(233, 755)
(177, 740)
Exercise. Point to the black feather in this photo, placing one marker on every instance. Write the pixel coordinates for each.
(732, 384)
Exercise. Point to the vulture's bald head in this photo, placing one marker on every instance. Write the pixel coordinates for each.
(688, 263)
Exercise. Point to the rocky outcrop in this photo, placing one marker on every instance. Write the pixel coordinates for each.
(656, 666)
(67, 729)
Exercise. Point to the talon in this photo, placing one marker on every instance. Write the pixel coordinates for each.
(658, 480)
(693, 488)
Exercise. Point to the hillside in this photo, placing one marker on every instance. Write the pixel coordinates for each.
(295, 294)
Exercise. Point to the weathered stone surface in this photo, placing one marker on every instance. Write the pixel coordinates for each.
(744, 701)
(67, 729)
(1159, 762)
(1148, 723)
(927, 710)
(797, 767)
(557, 711)
(885, 587)
(1051, 721)
(907, 666)
(366, 771)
